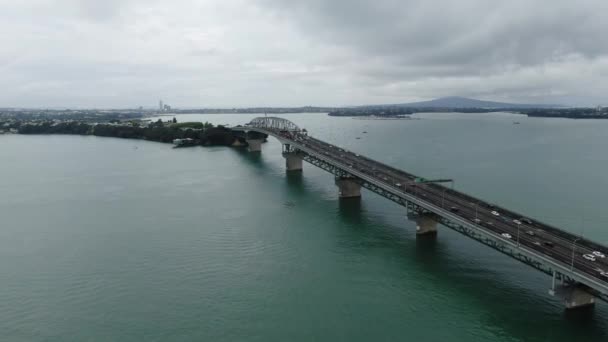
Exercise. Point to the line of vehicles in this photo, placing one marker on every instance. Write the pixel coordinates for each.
(589, 256)
(557, 245)
(541, 239)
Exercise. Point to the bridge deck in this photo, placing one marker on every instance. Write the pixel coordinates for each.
(563, 250)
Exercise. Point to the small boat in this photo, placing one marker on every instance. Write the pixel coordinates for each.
(516, 122)
(364, 131)
(358, 137)
(184, 142)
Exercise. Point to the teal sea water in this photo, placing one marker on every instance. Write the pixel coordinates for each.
(104, 239)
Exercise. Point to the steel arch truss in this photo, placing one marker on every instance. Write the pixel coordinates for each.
(274, 123)
(322, 164)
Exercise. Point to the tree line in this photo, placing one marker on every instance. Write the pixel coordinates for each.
(202, 133)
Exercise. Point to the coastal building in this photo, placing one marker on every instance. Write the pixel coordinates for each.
(163, 107)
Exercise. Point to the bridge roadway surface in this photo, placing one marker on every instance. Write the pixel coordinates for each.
(552, 243)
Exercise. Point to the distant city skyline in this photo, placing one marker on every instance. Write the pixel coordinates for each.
(258, 53)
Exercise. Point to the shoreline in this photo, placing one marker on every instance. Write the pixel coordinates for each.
(194, 133)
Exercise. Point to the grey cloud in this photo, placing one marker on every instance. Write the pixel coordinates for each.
(103, 11)
(397, 41)
(100, 10)
(482, 32)
(318, 52)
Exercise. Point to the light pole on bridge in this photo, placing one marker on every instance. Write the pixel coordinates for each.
(443, 193)
(573, 248)
(476, 204)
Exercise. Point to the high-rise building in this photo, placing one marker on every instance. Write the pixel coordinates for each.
(160, 105)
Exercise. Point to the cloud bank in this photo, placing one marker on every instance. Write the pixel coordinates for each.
(225, 53)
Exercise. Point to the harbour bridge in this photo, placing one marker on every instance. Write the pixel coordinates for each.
(578, 267)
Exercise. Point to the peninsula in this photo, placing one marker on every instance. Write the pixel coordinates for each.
(168, 131)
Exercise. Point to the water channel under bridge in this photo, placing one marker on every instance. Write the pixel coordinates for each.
(578, 267)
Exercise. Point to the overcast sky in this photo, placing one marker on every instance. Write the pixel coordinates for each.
(224, 53)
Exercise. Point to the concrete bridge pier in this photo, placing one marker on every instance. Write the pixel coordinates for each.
(348, 187)
(574, 296)
(293, 162)
(254, 145)
(426, 223)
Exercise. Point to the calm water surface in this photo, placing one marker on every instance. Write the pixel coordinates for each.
(103, 239)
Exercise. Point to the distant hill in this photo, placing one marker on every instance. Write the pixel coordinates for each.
(463, 102)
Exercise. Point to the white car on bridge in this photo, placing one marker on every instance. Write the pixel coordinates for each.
(589, 257)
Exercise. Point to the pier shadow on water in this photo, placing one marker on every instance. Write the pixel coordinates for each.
(255, 159)
(295, 182)
(351, 210)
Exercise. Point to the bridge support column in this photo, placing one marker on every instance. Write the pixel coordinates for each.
(293, 162)
(254, 145)
(426, 224)
(574, 296)
(348, 187)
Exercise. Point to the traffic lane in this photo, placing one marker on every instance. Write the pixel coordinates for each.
(579, 250)
(536, 225)
(389, 179)
(580, 264)
(566, 236)
(558, 252)
(355, 158)
(499, 228)
(506, 220)
(487, 220)
(506, 226)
